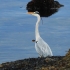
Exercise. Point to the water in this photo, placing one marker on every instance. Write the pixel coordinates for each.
(17, 30)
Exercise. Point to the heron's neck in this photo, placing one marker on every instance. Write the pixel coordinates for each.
(37, 25)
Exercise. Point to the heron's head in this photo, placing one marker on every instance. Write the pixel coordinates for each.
(36, 13)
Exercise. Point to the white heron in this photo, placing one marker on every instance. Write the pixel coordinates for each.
(41, 46)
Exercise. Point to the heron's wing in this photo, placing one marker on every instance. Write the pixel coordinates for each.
(44, 48)
(38, 49)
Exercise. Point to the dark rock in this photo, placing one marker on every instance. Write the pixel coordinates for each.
(31, 63)
(45, 7)
(47, 63)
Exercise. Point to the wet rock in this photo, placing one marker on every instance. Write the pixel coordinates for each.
(45, 7)
(30, 64)
(47, 63)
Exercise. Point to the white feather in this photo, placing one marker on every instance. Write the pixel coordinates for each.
(41, 46)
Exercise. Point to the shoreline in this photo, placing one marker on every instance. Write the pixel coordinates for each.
(44, 63)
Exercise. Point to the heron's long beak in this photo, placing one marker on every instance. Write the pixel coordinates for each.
(30, 12)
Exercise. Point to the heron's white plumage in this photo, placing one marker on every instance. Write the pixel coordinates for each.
(41, 46)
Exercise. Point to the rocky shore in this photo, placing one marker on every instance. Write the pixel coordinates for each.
(47, 63)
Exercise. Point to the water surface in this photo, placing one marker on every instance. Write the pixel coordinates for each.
(17, 29)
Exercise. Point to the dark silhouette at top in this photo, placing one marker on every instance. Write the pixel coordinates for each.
(45, 7)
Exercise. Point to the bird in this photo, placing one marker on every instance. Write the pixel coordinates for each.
(41, 46)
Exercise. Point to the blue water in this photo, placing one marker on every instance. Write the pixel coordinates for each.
(17, 30)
